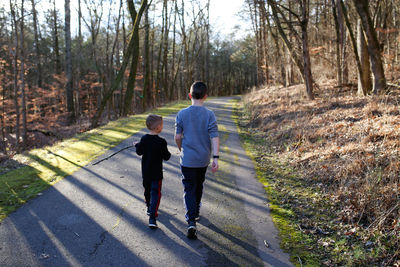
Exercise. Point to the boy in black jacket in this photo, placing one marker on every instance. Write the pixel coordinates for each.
(154, 150)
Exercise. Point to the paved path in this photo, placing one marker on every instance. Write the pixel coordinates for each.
(96, 217)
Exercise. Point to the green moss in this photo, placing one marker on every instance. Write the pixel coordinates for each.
(44, 167)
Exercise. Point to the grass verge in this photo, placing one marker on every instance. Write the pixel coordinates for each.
(40, 168)
(288, 194)
(331, 170)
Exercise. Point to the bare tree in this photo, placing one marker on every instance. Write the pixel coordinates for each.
(38, 69)
(373, 46)
(56, 43)
(127, 57)
(147, 82)
(15, 72)
(304, 64)
(364, 76)
(68, 64)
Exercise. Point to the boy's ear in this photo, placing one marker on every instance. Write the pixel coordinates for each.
(190, 96)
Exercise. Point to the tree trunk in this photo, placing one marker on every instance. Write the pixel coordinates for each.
(296, 59)
(339, 72)
(146, 59)
(372, 45)
(134, 62)
(364, 77)
(78, 73)
(15, 75)
(165, 51)
(55, 39)
(172, 85)
(363, 70)
(127, 57)
(306, 54)
(22, 75)
(282, 72)
(38, 63)
(208, 44)
(68, 65)
(342, 42)
(263, 14)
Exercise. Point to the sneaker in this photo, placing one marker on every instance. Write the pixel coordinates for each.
(191, 234)
(153, 223)
(197, 218)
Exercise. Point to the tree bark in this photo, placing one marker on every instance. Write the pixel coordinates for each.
(264, 31)
(306, 54)
(55, 39)
(22, 77)
(37, 46)
(286, 41)
(78, 73)
(362, 69)
(146, 85)
(339, 72)
(372, 45)
(364, 77)
(68, 64)
(127, 57)
(134, 62)
(165, 52)
(15, 75)
(342, 42)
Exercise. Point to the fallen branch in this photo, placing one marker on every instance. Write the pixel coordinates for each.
(394, 85)
(384, 216)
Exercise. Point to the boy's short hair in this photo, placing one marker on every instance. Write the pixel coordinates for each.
(152, 121)
(198, 90)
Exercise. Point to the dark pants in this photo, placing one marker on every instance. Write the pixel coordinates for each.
(192, 180)
(152, 196)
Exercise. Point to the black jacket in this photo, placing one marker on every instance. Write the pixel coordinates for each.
(154, 150)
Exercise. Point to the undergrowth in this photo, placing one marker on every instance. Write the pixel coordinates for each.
(331, 169)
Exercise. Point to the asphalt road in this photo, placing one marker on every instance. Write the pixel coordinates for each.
(97, 216)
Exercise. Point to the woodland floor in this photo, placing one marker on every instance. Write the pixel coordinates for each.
(332, 169)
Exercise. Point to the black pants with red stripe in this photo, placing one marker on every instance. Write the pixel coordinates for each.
(152, 196)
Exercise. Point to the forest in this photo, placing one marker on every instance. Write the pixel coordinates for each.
(59, 77)
(125, 57)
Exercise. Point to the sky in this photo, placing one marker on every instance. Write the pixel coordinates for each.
(225, 15)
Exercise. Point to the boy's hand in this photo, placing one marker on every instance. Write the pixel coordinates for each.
(214, 166)
(135, 142)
